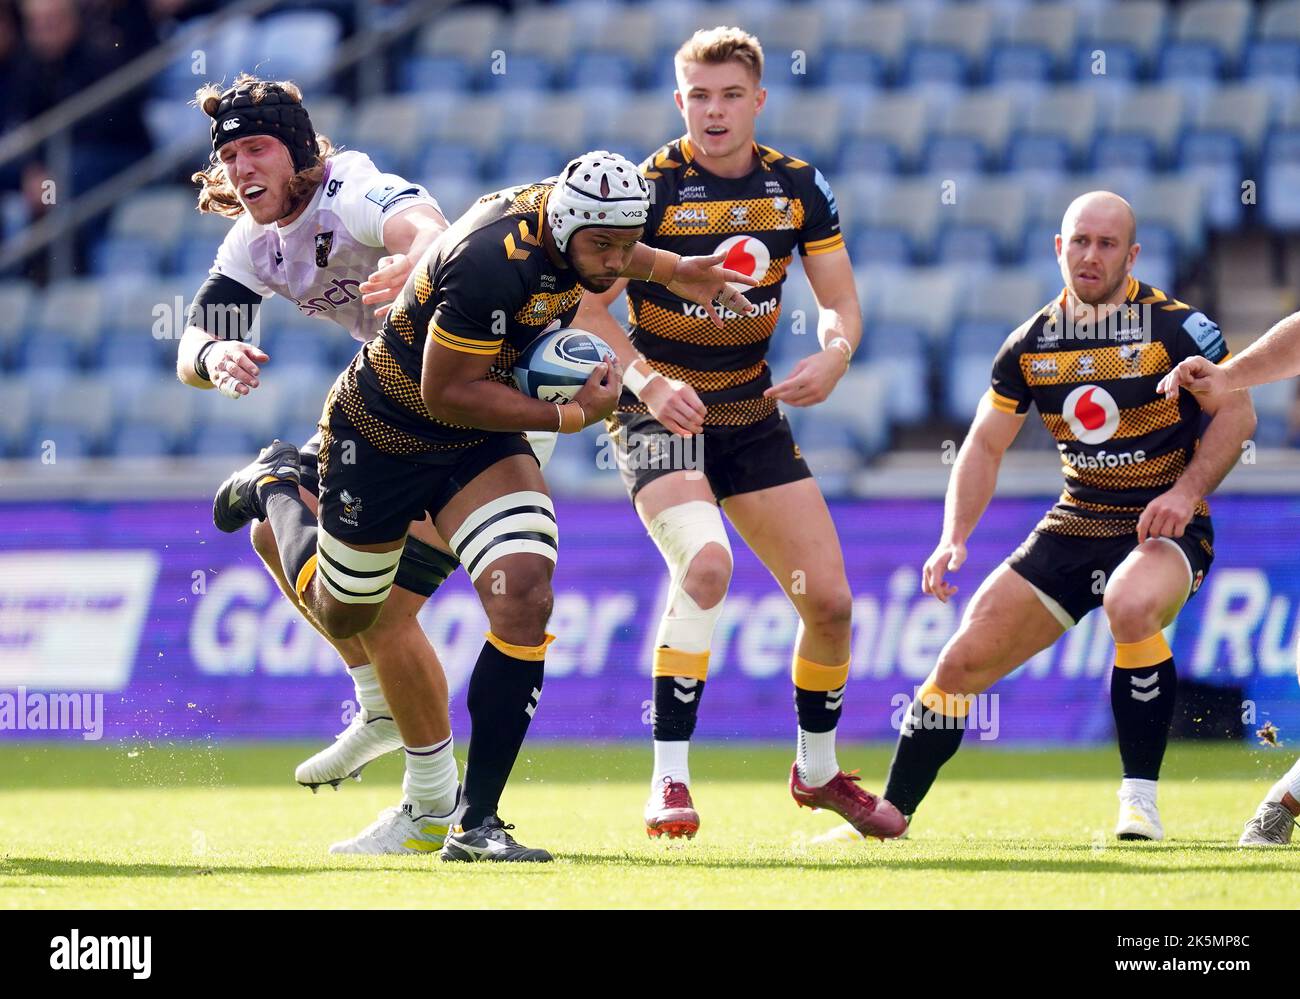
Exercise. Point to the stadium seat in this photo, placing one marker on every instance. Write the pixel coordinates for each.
(627, 31)
(1273, 56)
(893, 124)
(923, 298)
(440, 162)
(474, 121)
(1129, 32)
(172, 122)
(880, 29)
(115, 256)
(16, 302)
(93, 415)
(1035, 44)
(216, 440)
(994, 304)
(965, 382)
(1280, 181)
(810, 119)
(1057, 128)
(523, 162)
(646, 123)
(223, 56)
(850, 71)
(159, 214)
(1240, 110)
(907, 218)
(138, 441)
(71, 308)
(434, 74)
(1177, 203)
(988, 212)
(555, 120)
(391, 129)
(972, 132)
(1144, 126)
(953, 41)
(294, 45)
(601, 69)
(15, 415)
(69, 443)
(546, 33)
(1222, 24)
(463, 32)
(167, 407)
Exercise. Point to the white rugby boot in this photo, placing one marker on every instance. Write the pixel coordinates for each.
(400, 830)
(1271, 825)
(1138, 818)
(367, 738)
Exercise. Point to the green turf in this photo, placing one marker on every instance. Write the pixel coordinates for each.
(112, 826)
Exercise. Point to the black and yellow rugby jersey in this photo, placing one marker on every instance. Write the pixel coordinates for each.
(1121, 442)
(757, 220)
(488, 287)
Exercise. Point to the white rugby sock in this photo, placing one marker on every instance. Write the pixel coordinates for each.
(1290, 782)
(431, 778)
(670, 762)
(815, 757)
(1136, 787)
(369, 694)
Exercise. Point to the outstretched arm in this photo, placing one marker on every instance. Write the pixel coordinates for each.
(974, 477)
(839, 331)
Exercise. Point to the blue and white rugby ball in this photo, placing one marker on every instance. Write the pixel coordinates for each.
(555, 365)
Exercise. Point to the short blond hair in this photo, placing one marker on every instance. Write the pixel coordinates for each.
(715, 46)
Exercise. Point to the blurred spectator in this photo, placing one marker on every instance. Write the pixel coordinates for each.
(62, 59)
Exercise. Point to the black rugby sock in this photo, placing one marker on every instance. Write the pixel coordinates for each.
(503, 693)
(927, 741)
(1142, 700)
(294, 527)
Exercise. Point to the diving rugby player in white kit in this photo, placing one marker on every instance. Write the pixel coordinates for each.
(329, 231)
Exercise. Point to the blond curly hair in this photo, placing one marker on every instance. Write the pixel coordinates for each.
(216, 194)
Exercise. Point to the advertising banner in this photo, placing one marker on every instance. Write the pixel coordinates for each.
(182, 634)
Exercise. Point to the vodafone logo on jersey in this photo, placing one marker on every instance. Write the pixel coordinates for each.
(1092, 414)
(745, 254)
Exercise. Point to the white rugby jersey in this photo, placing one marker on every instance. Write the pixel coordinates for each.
(319, 260)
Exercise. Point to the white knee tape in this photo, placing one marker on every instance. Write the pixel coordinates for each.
(680, 533)
(354, 577)
(519, 522)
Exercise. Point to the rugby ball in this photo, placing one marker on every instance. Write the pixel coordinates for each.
(555, 365)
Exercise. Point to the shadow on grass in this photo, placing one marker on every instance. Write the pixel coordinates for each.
(1111, 860)
(1082, 859)
(43, 867)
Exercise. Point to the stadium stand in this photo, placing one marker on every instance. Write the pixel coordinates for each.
(954, 134)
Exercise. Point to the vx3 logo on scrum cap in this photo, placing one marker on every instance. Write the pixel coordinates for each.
(102, 953)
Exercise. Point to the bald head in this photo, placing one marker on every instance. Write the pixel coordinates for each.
(1097, 247)
(1101, 211)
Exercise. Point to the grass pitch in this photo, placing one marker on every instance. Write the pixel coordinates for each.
(179, 827)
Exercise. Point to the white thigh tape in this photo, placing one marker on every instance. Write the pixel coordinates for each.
(520, 522)
(354, 577)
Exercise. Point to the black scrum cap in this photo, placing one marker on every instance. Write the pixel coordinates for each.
(276, 114)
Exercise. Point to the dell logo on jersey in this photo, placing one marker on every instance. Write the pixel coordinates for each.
(690, 216)
(340, 293)
(230, 124)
